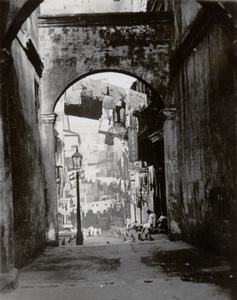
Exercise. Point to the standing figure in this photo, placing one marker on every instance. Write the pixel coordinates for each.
(162, 223)
(149, 225)
(128, 223)
(152, 219)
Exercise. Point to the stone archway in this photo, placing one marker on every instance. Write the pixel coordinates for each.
(170, 157)
(131, 43)
(48, 137)
(136, 43)
(116, 71)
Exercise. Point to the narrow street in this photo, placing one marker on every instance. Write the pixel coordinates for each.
(108, 267)
(118, 117)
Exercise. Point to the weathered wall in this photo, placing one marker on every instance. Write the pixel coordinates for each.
(185, 11)
(6, 203)
(26, 158)
(205, 103)
(13, 15)
(72, 51)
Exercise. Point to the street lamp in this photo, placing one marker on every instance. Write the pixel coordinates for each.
(76, 162)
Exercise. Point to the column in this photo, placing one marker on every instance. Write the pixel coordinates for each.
(171, 173)
(48, 143)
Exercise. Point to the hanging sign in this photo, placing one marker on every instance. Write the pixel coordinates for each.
(133, 145)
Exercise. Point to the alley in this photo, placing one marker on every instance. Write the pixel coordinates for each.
(158, 269)
(118, 115)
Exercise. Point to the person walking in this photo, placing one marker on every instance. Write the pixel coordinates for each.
(128, 223)
(150, 226)
(151, 218)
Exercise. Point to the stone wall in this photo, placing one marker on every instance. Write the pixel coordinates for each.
(71, 49)
(184, 13)
(9, 11)
(26, 158)
(7, 247)
(205, 106)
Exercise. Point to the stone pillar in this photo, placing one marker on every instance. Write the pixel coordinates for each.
(171, 173)
(48, 142)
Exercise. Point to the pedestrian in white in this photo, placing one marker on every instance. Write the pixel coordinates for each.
(128, 223)
(151, 221)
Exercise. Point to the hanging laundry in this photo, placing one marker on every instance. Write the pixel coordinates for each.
(107, 114)
(99, 88)
(139, 202)
(133, 120)
(119, 113)
(90, 108)
(118, 93)
(109, 136)
(122, 185)
(137, 180)
(135, 99)
(120, 130)
(109, 140)
(73, 96)
(86, 95)
(108, 102)
(151, 176)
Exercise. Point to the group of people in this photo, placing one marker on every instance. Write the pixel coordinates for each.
(151, 226)
(93, 231)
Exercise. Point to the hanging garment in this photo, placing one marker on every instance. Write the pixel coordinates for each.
(109, 140)
(136, 100)
(120, 114)
(90, 108)
(118, 93)
(99, 88)
(139, 202)
(73, 96)
(151, 176)
(133, 120)
(108, 102)
(107, 114)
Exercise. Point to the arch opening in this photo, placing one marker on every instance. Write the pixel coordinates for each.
(148, 86)
(112, 136)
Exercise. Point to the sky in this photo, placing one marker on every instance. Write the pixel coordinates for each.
(117, 79)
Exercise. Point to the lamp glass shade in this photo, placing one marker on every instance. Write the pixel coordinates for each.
(76, 160)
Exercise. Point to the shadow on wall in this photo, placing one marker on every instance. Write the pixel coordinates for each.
(216, 232)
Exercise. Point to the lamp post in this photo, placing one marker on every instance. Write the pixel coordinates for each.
(76, 162)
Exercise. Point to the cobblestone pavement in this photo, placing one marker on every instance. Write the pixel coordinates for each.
(114, 267)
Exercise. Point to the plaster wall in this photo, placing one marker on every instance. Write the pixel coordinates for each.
(26, 157)
(205, 103)
(6, 203)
